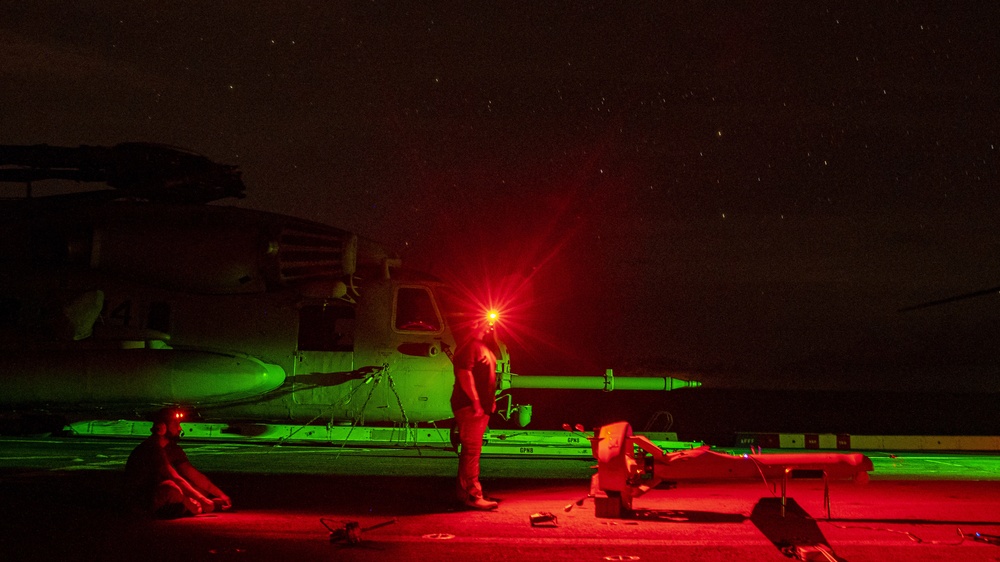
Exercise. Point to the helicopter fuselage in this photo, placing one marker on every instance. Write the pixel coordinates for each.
(247, 315)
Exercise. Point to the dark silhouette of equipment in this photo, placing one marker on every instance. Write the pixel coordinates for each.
(152, 172)
(956, 298)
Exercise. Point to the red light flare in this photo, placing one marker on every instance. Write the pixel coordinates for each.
(503, 304)
(500, 285)
(536, 250)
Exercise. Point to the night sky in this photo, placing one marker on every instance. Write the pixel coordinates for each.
(749, 191)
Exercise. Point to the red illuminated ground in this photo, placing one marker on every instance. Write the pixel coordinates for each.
(61, 499)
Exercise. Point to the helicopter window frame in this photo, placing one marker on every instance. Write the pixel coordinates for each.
(418, 317)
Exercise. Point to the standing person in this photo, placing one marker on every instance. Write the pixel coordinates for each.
(159, 479)
(473, 399)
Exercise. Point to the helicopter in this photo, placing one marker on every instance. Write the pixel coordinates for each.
(116, 302)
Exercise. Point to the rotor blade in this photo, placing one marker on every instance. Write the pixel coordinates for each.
(980, 293)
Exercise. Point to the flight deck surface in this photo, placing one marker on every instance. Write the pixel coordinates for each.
(62, 502)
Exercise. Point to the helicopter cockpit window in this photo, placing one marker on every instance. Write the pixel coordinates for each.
(326, 328)
(415, 310)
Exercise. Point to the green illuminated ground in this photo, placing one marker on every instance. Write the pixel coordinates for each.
(938, 466)
(110, 454)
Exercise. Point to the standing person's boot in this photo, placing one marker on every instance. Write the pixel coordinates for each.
(479, 502)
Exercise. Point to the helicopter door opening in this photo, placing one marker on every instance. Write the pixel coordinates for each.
(326, 328)
(422, 373)
(325, 352)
